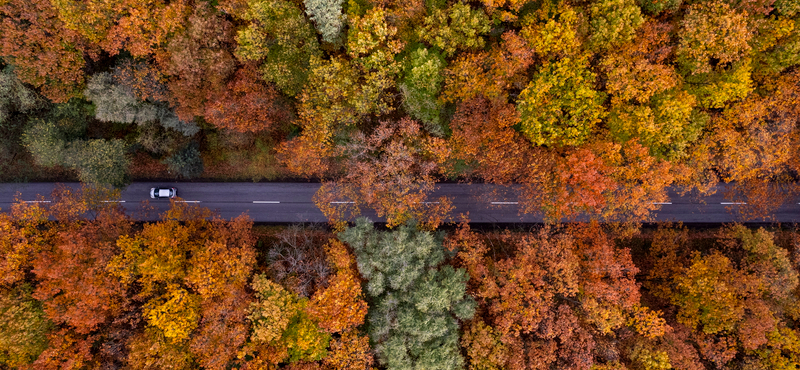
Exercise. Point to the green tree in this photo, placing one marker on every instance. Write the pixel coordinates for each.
(45, 141)
(413, 321)
(560, 106)
(186, 162)
(717, 88)
(457, 28)
(327, 15)
(99, 161)
(281, 40)
(23, 327)
(421, 84)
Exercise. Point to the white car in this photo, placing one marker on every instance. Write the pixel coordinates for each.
(163, 193)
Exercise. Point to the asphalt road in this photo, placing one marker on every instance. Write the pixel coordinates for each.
(292, 202)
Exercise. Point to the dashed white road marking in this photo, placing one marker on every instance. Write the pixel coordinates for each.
(662, 203)
(113, 201)
(504, 203)
(266, 202)
(188, 201)
(37, 201)
(430, 202)
(341, 202)
(728, 203)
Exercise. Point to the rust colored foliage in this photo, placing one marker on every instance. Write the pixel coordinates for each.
(246, 104)
(391, 171)
(350, 352)
(534, 296)
(45, 53)
(199, 61)
(604, 180)
(483, 137)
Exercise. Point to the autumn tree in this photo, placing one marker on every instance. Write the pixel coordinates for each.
(534, 294)
(280, 39)
(198, 60)
(391, 171)
(560, 106)
(45, 53)
(136, 26)
(245, 105)
(458, 28)
(553, 31)
(417, 303)
(23, 327)
(613, 22)
(279, 319)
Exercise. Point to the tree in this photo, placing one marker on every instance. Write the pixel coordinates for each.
(279, 319)
(23, 327)
(413, 321)
(99, 161)
(245, 105)
(327, 14)
(703, 47)
(175, 314)
(186, 162)
(199, 61)
(45, 53)
(613, 22)
(136, 26)
(116, 102)
(349, 352)
(560, 107)
(655, 7)
(458, 28)
(45, 141)
(281, 40)
(222, 330)
(340, 307)
(420, 87)
(15, 96)
(390, 171)
(556, 34)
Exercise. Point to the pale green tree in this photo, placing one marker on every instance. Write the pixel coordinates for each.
(280, 38)
(15, 96)
(457, 28)
(421, 84)
(560, 106)
(414, 319)
(327, 15)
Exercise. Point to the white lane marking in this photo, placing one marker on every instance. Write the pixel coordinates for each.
(733, 203)
(188, 201)
(341, 202)
(113, 201)
(266, 202)
(504, 203)
(430, 202)
(662, 203)
(37, 201)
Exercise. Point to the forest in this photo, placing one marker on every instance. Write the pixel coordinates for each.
(591, 109)
(591, 106)
(84, 286)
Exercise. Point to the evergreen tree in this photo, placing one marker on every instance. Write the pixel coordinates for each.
(327, 14)
(420, 87)
(416, 303)
(186, 162)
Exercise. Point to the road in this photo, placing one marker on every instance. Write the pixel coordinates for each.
(292, 202)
